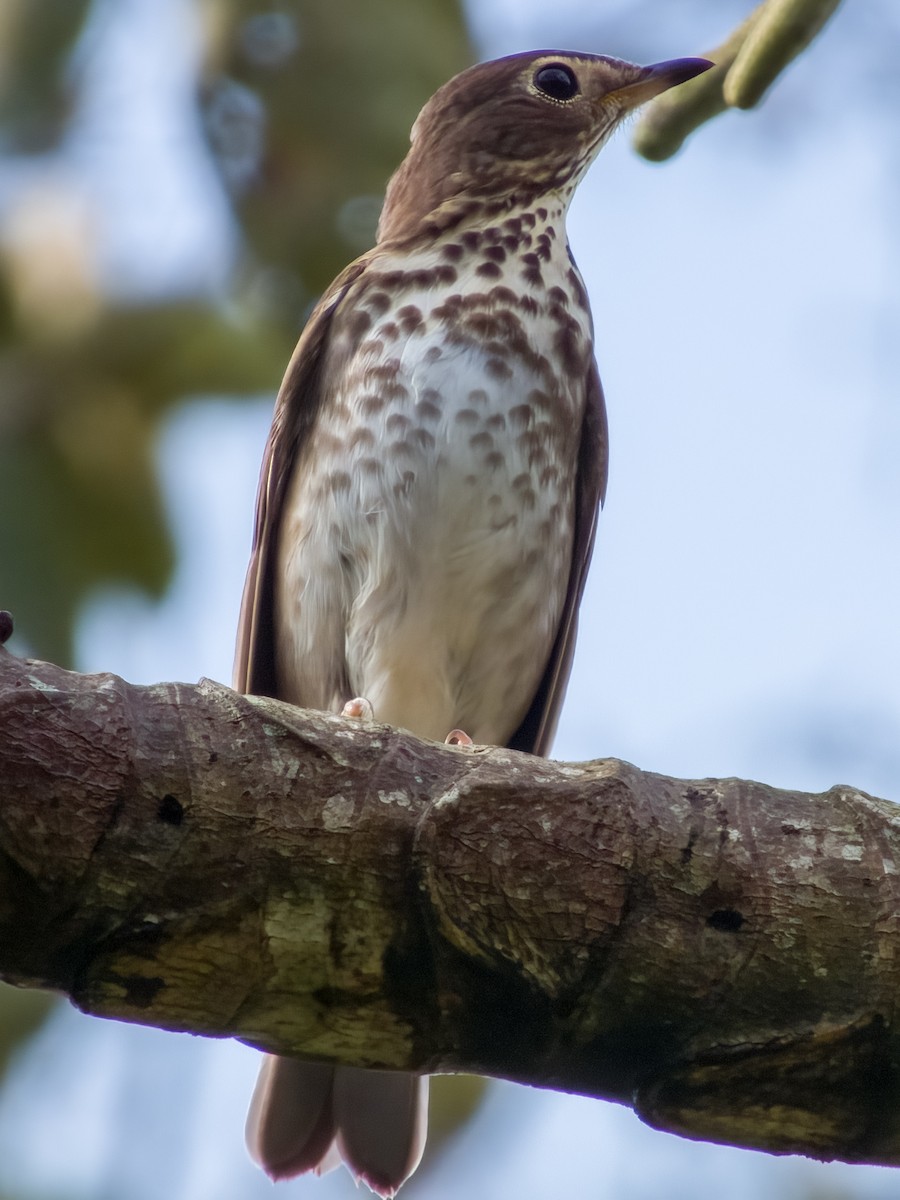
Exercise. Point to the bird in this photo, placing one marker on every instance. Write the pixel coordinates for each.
(430, 487)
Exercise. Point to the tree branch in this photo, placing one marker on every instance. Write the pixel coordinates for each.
(718, 953)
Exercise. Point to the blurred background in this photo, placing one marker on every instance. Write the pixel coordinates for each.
(179, 179)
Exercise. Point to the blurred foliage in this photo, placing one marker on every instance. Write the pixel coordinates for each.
(307, 107)
(35, 39)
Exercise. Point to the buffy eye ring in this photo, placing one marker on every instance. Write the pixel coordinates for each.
(557, 81)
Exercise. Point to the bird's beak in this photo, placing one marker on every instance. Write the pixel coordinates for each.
(659, 78)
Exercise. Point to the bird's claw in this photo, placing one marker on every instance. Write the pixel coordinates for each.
(358, 709)
(459, 737)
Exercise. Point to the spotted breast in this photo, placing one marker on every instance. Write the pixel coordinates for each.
(427, 535)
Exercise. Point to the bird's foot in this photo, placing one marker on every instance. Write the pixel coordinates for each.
(459, 737)
(359, 709)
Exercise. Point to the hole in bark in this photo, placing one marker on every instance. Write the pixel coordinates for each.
(140, 991)
(726, 920)
(170, 810)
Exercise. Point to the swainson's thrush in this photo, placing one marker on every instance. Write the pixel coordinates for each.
(430, 487)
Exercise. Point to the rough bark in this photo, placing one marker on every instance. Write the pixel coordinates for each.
(718, 953)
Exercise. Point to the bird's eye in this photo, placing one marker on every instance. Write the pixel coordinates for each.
(556, 81)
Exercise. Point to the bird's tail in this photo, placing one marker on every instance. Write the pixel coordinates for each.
(309, 1116)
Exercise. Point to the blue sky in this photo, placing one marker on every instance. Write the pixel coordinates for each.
(742, 612)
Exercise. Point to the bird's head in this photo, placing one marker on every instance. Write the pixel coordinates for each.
(522, 126)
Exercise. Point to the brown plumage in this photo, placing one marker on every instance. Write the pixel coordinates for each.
(430, 487)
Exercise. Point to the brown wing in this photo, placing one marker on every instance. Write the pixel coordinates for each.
(295, 412)
(535, 734)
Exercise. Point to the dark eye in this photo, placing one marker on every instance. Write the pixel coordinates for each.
(557, 81)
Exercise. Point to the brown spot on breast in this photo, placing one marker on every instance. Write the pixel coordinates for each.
(494, 460)
(481, 441)
(498, 369)
(422, 277)
(433, 353)
(525, 495)
(372, 347)
(409, 318)
(361, 437)
(488, 270)
(521, 416)
(496, 421)
(389, 330)
(407, 479)
(531, 269)
(503, 296)
(377, 302)
(521, 242)
(471, 239)
(339, 481)
(557, 296)
(391, 281)
(496, 253)
(369, 466)
(371, 404)
(422, 438)
(478, 396)
(468, 416)
(514, 224)
(544, 247)
(452, 251)
(494, 326)
(529, 219)
(384, 371)
(357, 323)
(449, 309)
(397, 424)
(532, 445)
(541, 213)
(428, 410)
